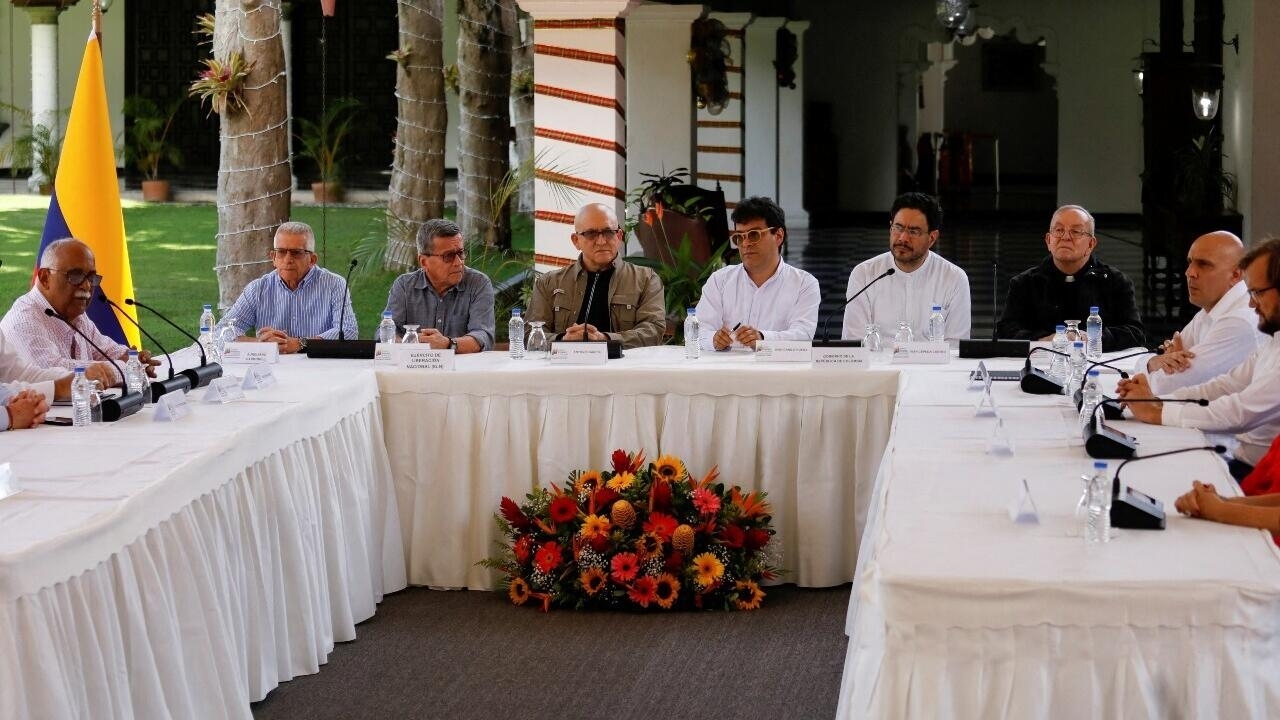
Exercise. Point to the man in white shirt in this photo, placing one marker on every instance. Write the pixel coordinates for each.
(1246, 400)
(1223, 334)
(764, 297)
(921, 278)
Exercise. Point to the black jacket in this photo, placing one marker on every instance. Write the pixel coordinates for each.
(1042, 297)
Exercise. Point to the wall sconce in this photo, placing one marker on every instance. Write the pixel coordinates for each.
(1205, 103)
(1138, 75)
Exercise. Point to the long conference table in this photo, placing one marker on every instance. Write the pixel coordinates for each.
(185, 569)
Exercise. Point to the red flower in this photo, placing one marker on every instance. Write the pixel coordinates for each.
(661, 496)
(643, 591)
(756, 539)
(599, 543)
(563, 509)
(707, 502)
(675, 563)
(732, 536)
(548, 557)
(523, 548)
(621, 461)
(512, 513)
(624, 566)
(605, 497)
(661, 524)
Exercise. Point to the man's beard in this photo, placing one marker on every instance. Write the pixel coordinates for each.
(1269, 325)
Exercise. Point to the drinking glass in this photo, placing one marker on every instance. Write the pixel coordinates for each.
(1073, 330)
(95, 402)
(410, 334)
(537, 342)
(871, 339)
(904, 334)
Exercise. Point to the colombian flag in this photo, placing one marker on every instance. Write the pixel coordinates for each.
(86, 196)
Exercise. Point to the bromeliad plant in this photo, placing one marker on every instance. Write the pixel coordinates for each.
(222, 83)
(637, 537)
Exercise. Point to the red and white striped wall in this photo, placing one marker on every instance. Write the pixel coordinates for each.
(720, 156)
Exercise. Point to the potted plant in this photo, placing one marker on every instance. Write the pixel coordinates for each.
(667, 212)
(682, 276)
(148, 144)
(322, 142)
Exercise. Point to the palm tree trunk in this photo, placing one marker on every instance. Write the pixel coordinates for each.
(417, 169)
(484, 93)
(253, 168)
(522, 112)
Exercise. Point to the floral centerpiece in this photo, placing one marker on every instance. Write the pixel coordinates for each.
(639, 536)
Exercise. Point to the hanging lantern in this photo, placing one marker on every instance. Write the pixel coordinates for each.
(969, 25)
(1205, 102)
(951, 13)
(328, 7)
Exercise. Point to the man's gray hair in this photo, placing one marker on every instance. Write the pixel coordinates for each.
(51, 250)
(294, 227)
(1088, 216)
(433, 229)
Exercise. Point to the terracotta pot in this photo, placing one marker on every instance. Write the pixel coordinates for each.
(327, 7)
(156, 191)
(660, 238)
(327, 192)
(46, 189)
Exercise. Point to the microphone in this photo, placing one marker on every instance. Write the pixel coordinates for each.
(112, 408)
(1123, 374)
(1035, 381)
(1134, 510)
(995, 297)
(993, 347)
(826, 325)
(157, 388)
(353, 349)
(201, 376)
(342, 322)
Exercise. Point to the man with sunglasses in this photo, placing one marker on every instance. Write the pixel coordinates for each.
(66, 282)
(451, 304)
(600, 296)
(296, 301)
(1066, 284)
(921, 278)
(764, 298)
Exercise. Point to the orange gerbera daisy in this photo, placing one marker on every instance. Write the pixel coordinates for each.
(749, 595)
(588, 482)
(666, 590)
(621, 481)
(668, 468)
(643, 591)
(625, 567)
(707, 569)
(518, 591)
(594, 526)
(593, 580)
(648, 545)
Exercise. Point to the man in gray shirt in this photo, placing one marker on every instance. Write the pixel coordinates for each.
(451, 304)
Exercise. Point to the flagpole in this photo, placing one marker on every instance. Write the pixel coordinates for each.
(97, 19)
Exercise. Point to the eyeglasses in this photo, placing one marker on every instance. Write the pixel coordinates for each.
(1059, 233)
(77, 277)
(597, 235)
(914, 232)
(295, 253)
(749, 237)
(449, 257)
(1255, 293)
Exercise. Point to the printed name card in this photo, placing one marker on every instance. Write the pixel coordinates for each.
(172, 406)
(922, 353)
(258, 377)
(223, 390)
(251, 353)
(784, 351)
(415, 356)
(579, 353)
(854, 358)
(9, 484)
(384, 353)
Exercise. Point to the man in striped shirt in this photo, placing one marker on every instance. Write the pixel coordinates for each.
(296, 301)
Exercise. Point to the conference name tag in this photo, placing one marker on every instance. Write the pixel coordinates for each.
(784, 351)
(223, 390)
(579, 353)
(172, 406)
(414, 356)
(923, 353)
(855, 358)
(250, 353)
(258, 377)
(9, 484)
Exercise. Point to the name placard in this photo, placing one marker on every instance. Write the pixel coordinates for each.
(922, 353)
(9, 484)
(172, 406)
(223, 390)
(384, 354)
(579, 353)
(784, 351)
(251, 353)
(854, 358)
(258, 377)
(415, 356)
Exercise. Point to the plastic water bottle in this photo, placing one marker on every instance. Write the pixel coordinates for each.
(1091, 396)
(206, 340)
(1058, 366)
(81, 413)
(1097, 528)
(1076, 371)
(1093, 330)
(387, 328)
(692, 329)
(207, 320)
(135, 377)
(937, 325)
(515, 334)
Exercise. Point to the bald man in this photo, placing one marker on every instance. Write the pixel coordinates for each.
(1222, 334)
(600, 296)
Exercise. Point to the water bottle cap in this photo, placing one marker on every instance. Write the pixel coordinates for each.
(133, 353)
(80, 369)
(937, 308)
(515, 312)
(1093, 373)
(692, 311)
(1077, 343)
(1061, 328)
(1099, 465)
(386, 313)
(1093, 309)
(208, 306)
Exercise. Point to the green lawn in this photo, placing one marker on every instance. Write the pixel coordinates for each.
(172, 248)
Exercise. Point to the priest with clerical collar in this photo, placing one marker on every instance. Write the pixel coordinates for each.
(600, 296)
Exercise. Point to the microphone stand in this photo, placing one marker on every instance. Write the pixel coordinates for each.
(1035, 381)
(112, 408)
(353, 349)
(157, 388)
(1112, 414)
(1134, 510)
(201, 376)
(826, 340)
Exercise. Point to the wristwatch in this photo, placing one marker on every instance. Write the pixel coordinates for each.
(453, 344)
(302, 344)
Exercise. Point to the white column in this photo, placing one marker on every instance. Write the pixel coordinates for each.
(1262, 214)
(44, 78)
(791, 139)
(579, 115)
(760, 108)
(659, 102)
(720, 136)
(286, 39)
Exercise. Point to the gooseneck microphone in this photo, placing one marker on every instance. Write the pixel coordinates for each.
(112, 408)
(342, 320)
(1035, 381)
(1115, 483)
(1123, 374)
(180, 382)
(1134, 510)
(826, 325)
(201, 376)
(341, 347)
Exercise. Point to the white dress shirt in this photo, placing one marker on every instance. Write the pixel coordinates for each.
(14, 369)
(1245, 401)
(1221, 339)
(785, 307)
(908, 296)
(47, 342)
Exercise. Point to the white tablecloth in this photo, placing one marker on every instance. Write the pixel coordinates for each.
(959, 613)
(812, 438)
(185, 569)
